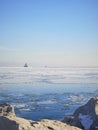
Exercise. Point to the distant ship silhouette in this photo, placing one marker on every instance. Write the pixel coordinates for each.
(25, 65)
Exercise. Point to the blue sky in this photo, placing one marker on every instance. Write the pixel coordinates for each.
(49, 32)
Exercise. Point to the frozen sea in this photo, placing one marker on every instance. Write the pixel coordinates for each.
(49, 93)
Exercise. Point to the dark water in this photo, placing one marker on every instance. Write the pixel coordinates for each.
(51, 101)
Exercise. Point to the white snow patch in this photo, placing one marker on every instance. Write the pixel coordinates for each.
(96, 127)
(86, 121)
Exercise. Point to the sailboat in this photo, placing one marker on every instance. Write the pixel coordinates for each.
(25, 65)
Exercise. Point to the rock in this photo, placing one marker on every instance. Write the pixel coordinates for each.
(7, 124)
(16, 123)
(86, 116)
(8, 121)
(6, 110)
(73, 121)
(90, 108)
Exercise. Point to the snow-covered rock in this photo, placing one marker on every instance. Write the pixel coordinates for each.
(86, 116)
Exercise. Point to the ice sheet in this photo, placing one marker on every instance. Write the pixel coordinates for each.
(17, 75)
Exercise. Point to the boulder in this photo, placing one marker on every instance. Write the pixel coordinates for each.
(86, 116)
(91, 107)
(73, 121)
(6, 110)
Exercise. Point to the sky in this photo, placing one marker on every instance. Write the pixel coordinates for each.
(49, 32)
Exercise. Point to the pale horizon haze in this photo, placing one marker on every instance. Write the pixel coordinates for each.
(49, 32)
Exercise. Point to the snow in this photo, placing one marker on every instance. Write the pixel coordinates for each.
(86, 121)
(47, 75)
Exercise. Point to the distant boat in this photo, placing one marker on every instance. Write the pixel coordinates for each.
(45, 66)
(25, 65)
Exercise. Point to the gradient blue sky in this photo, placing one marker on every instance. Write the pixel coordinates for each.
(49, 32)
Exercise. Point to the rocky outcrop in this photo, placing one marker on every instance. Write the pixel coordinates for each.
(6, 110)
(8, 121)
(73, 121)
(85, 117)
